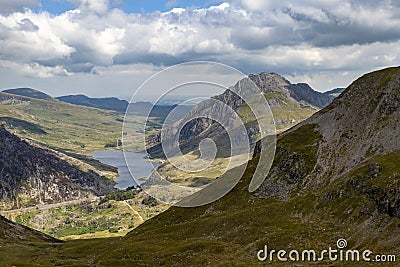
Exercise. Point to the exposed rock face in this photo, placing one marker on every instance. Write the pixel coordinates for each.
(303, 92)
(28, 92)
(354, 144)
(31, 175)
(272, 82)
(361, 123)
(302, 96)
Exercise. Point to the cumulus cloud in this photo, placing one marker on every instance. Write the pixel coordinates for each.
(291, 37)
(98, 6)
(7, 6)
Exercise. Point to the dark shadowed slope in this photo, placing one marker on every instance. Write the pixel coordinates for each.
(336, 175)
(335, 92)
(31, 175)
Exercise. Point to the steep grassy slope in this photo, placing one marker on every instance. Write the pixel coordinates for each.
(64, 127)
(20, 245)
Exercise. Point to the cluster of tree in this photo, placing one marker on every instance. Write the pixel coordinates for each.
(129, 193)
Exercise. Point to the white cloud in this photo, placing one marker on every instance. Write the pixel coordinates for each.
(303, 38)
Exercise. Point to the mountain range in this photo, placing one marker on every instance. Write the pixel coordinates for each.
(110, 103)
(32, 175)
(336, 175)
(290, 104)
(107, 103)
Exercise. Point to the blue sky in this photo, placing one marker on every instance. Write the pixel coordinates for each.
(129, 6)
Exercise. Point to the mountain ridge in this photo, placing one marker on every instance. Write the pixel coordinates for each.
(312, 195)
(302, 203)
(279, 94)
(109, 103)
(32, 175)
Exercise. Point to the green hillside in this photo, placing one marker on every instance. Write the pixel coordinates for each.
(76, 131)
(301, 205)
(28, 92)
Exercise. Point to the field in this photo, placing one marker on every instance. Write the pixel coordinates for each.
(74, 132)
(100, 218)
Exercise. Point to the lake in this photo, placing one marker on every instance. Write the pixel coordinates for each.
(142, 166)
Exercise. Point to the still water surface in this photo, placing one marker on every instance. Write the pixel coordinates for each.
(142, 166)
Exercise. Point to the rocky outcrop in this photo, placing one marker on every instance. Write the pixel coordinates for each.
(31, 175)
(279, 93)
(357, 149)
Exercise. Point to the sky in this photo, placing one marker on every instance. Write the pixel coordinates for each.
(109, 47)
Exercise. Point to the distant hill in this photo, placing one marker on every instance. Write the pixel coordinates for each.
(112, 103)
(335, 92)
(109, 103)
(335, 175)
(290, 104)
(29, 92)
(303, 92)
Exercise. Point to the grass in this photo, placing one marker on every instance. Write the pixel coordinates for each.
(286, 111)
(230, 231)
(106, 218)
(68, 127)
(75, 131)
